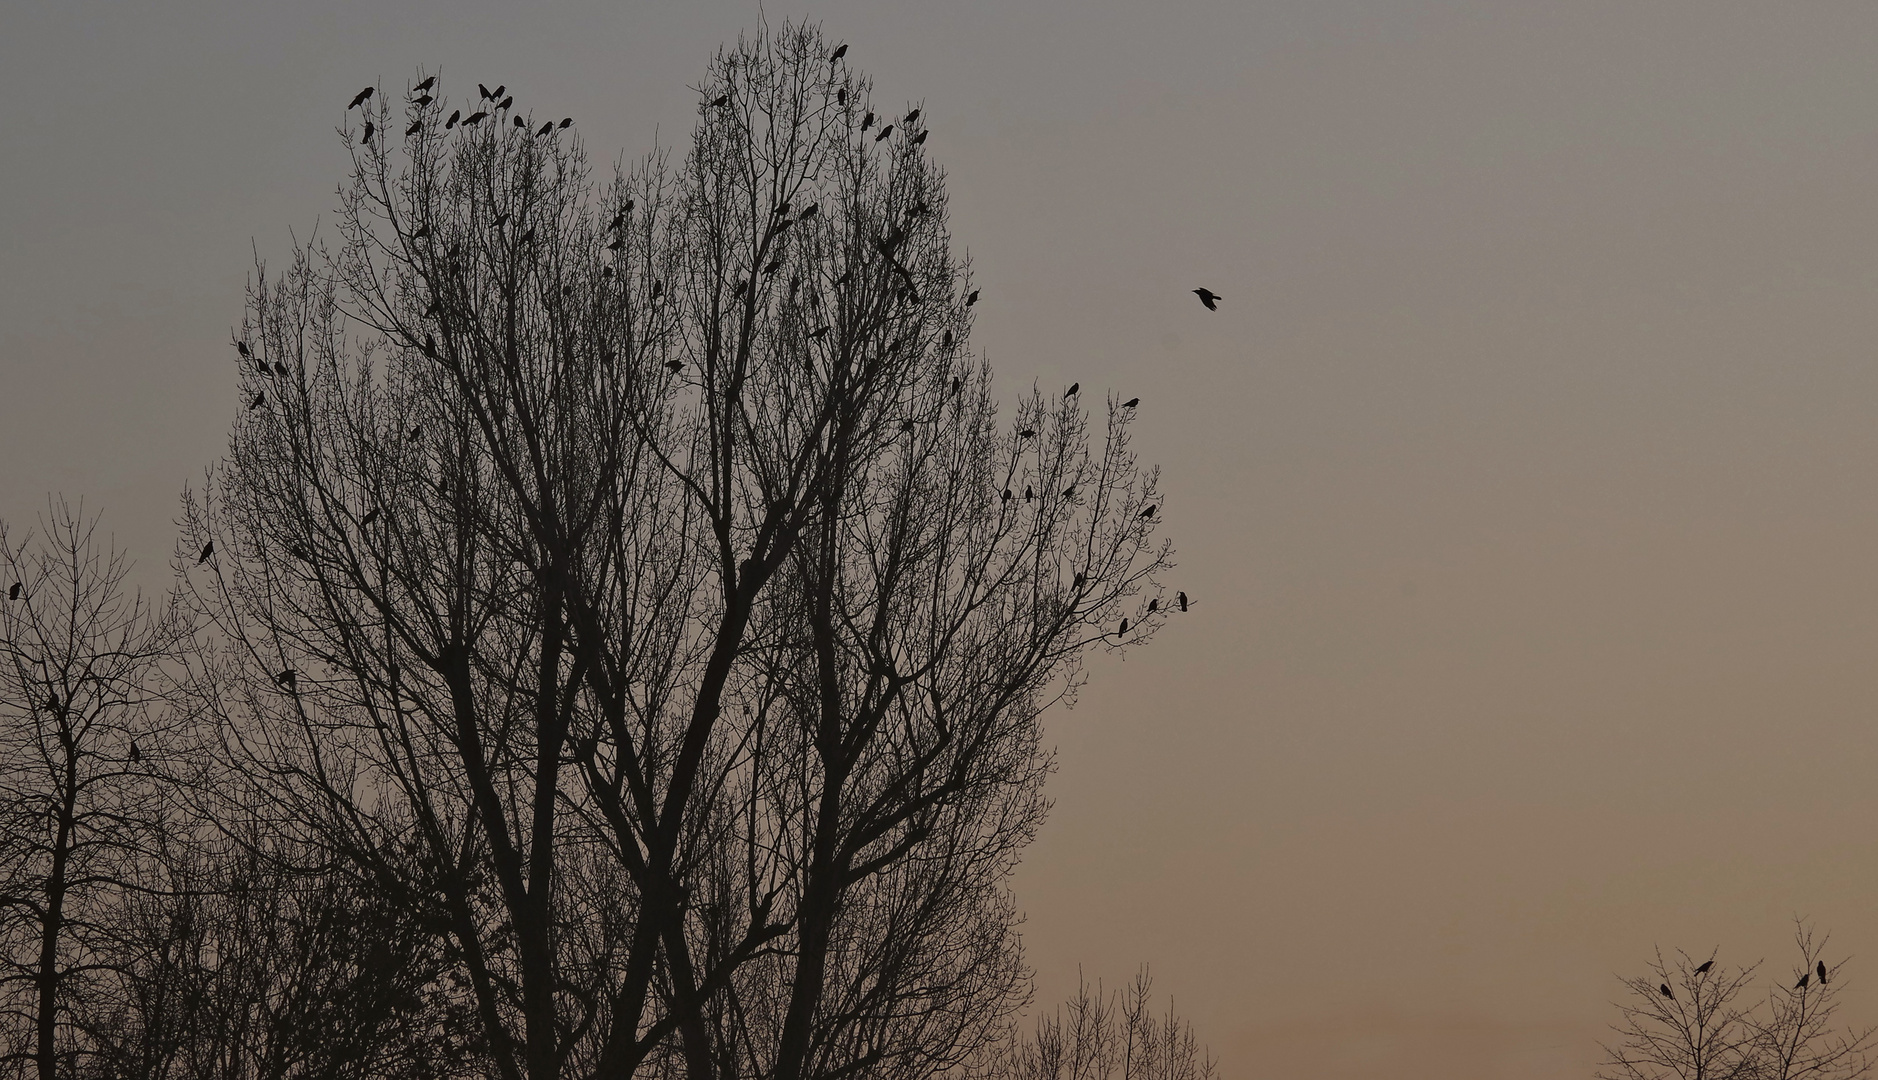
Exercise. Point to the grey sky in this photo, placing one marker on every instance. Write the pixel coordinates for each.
(1525, 478)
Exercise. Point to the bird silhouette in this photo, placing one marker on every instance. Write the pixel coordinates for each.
(1154, 605)
(1667, 992)
(208, 550)
(1069, 492)
(774, 265)
(1706, 964)
(957, 384)
(52, 702)
(423, 101)
(1123, 630)
(910, 117)
(435, 306)
(1182, 598)
(416, 126)
(136, 755)
(1821, 969)
(920, 139)
(370, 129)
(674, 366)
(658, 289)
(476, 117)
(841, 50)
(416, 432)
(1131, 403)
(867, 121)
(370, 516)
(841, 96)
(1081, 580)
(1007, 495)
(14, 592)
(1026, 433)
(242, 348)
(721, 101)
(455, 115)
(808, 212)
(1209, 298)
(1028, 494)
(972, 298)
(299, 551)
(289, 679)
(884, 132)
(906, 427)
(1074, 389)
(361, 98)
(498, 93)
(617, 244)
(280, 369)
(545, 128)
(430, 345)
(819, 334)
(1148, 513)
(502, 219)
(1804, 979)
(521, 123)
(426, 84)
(566, 122)
(485, 92)
(260, 399)
(529, 236)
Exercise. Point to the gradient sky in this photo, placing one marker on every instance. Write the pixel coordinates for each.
(1525, 478)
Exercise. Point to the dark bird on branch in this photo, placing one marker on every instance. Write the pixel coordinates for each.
(1182, 598)
(521, 123)
(1123, 630)
(674, 366)
(910, 117)
(1007, 495)
(208, 552)
(841, 96)
(1081, 580)
(841, 50)
(1821, 969)
(972, 298)
(423, 101)
(416, 432)
(658, 289)
(957, 384)
(1209, 298)
(454, 117)
(430, 345)
(260, 365)
(52, 702)
(920, 139)
(426, 84)
(867, 121)
(721, 101)
(242, 348)
(280, 369)
(361, 98)
(1069, 492)
(808, 212)
(485, 92)
(819, 334)
(260, 399)
(1074, 389)
(1131, 403)
(566, 122)
(1148, 513)
(14, 592)
(906, 427)
(529, 236)
(370, 130)
(136, 755)
(299, 552)
(289, 679)
(476, 117)
(1667, 992)
(435, 306)
(1154, 605)
(545, 128)
(884, 132)
(1804, 979)
(1706, 964)
(502, 219)
(616, 244)
(416, 126)
(498, 94)
(774, 265)
(1026, 433)
(945, 342)
(1028, 494)
(370, 516)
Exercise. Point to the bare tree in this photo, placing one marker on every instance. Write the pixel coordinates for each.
(79, 743)
(1685, 1020)
(655, 565)
(1098, 1035)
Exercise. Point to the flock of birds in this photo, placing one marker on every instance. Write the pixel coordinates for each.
(1806, 978)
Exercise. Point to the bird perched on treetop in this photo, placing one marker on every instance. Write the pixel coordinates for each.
(1667, 992)
(1074, 389)
(972, 298)
(14, 592)
(721, 101)
(1804, 979)
(208, 549)
(841, 50)
(1706, 964)
(426, 84)
(455, 115)
(566, 122)
(910, 117)
(1131, 403)
(361, 98)
(884, 132)
(476, 117)
(485, 92)
(423, 100)
(370, 516)
(1209, 298)
(1182, 597)
(506, 102)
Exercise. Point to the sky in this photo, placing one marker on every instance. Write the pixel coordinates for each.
(1524, 480)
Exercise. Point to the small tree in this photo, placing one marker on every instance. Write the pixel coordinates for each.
(1097, 1035)
(1685, 1021)
(80, 811)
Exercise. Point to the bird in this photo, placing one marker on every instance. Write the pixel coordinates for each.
(841, 96)
(502, 219)
(370, 129)
(430, 345)
(566, 122)
(260, 399)
(1026, 433)
(1706, 964)
(808, 212)
(721, 101)
(884, 132)
(1074, 388)
(868, 120)
(1028, 494)
(370, 516)
(618, 243)
(1081, 580)
(1804, 979)
(361, 98)
(1821, 969)
(1069, 492)
(475, 118)
(1154, 605)
(658, 289)
(136, 755)
(454, 117)
(1182, 598)
(416, 126)
(674, 366)
(242, 348)
(1667, 992)
(299, 551)
(423, 101)
(14, 592)
(1148, 513)
(529, 236)
(1123, 630)
(289, 679)
(971, 299)
(946, 341)
(426, 84)
(498, 94)
(841, 50)
(906, 427)
(774, 265)
(1007, 495)
(280, 369)
(910, 117)
(920, 139)
(1209, 298)
(521, 123)
(1131, 403)
(957, 384)
(485, 92)
(208, 550)
(819, 334)
(435, 305)
(545, 128)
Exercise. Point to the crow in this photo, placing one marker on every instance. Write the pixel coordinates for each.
(1182, 597)
(260, 399)
(1804, 979)
(674, 366)
(370, 129)
(808, 212)
(1074, 388)
(280, 369)
(242, 348)
(946, 341)
(819, 334)
(136, 755)
(846, 276)
(1148, 513)
(920, 139)
(1123, 630)
(498, 94)
(529, 236)
(906, 427)
(435, 305)
(426, 84)
(721, 101)
(910, 117)
(370, 516)
(841, 96)
(1007, 495)
(416, 432)
(1081, 580)
(1069, 492)
(774, 265)
(1822, 972)
(363, 96)
(502, 219)
(430, 345)
(1154, 605)
(566, 122)
(971, 299)
(476, 117)
(423, 101)
(208, 551)
(957, 384)
(1026, 433)
(867, 121)
(14, 592)
(658, 289)
(841, 50)
(1706, 964)
(616, 244)
(1028, 494)
(1667, 992)
(416, 126)
(1131, 403)
(485, 92)
(884, 132)
(455, 115)
(521, 123)
(545, 128)
(289, 679)
(1209, 298)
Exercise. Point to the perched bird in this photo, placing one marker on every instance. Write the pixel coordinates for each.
(774, 265)
(1007, 495)
(289, 679)
(957, 384)
(498, 93)
(819, 334)
(426, 84)
(1026, 433)
(1131, 403)
(430, 345)
(280, 369)
(370, 130)
(485, 92)
(721, 101)
(423, 101)
(674, 366)
(946, 341)
(1069, 492)
(1209, 298)
(846, 276)
(417, 432)
(906, 427)
(841, 50)
(260, 399)
(972, 298)
(502, 219)
(566, 122)
(1182, 598)
(370, 516)
(476, 117)
(1154, 605)
(1706, 964)
(658, 289)
(14, 592)
(208, 550)
(884, 132)
(455, 115)
(617, 244)
(1804, 979)
(361, 98)
(808, 212)
(242, 348)
(521, 123)
(1667, 992)
(1081, 580)
(416, 126)
(529, 236)
(1148, 513)
(867, 121)
(299, 551)
(1123, 630)
(1821, 969)
(910, 117)
(1028, 494)
(545, 128)
(435, 305)
(1074, 388)
(136, 755)
(841, 96)
(920, 139)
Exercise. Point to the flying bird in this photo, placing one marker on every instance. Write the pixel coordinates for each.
(361, 98)
(370, 516)
(454, 117)
(884, 132)
(1182, 598)
(208, 550)
(1821, 969)
(1706, 964)
(841, 50)
(1209, 298)
(14, 592)
(1667, 992)
(426, 84)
